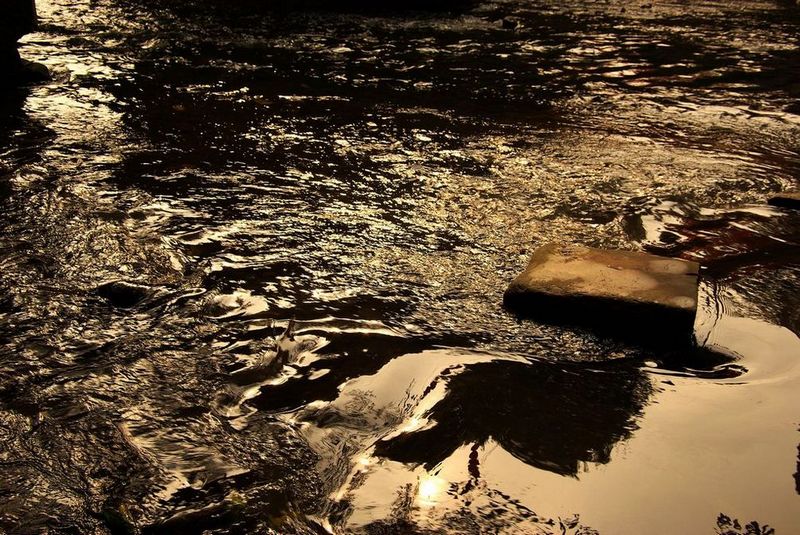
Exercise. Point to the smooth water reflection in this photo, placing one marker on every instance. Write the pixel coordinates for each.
(252, 265)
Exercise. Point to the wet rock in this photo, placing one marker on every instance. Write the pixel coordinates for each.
(32, 72)
(118, 520)
(20, 72)
(631, 294)
(787, 199)
(17, 18)
(509, 24)
(123, 294)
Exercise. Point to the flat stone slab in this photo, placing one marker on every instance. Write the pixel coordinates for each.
(787, 199)
(631, 293)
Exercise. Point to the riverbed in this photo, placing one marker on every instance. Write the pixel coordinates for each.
(252, 263)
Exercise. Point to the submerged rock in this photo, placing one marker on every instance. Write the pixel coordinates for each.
(787, 199)
(633, 294)
(123, 294)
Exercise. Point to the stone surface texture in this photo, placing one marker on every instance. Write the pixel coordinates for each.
(626, 290)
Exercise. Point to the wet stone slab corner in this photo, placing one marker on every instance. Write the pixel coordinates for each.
(786, 199)
(630, 294)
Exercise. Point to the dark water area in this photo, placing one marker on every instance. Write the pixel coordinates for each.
(252, 263)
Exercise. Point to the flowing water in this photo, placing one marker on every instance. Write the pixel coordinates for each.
(252, 264)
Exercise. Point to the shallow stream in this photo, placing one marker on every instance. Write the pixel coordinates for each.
(252, 265)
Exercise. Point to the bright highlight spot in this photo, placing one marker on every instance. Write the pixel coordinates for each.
(430, 487)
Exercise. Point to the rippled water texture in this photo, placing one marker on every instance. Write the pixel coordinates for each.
(252, 264)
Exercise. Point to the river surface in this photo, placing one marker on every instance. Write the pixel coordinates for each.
(252, 265)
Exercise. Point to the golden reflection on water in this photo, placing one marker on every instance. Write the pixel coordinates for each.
(395, 229)
(429, 490)
(672, 461)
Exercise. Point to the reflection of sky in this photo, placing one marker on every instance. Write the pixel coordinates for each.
(694, 451)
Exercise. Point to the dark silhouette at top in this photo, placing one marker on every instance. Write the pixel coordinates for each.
(18, 19)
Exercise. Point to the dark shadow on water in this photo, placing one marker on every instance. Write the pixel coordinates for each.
(651, 327)
(797, 473)
(347, 355)
(20, 136)
(732, 526)
(553, 416)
